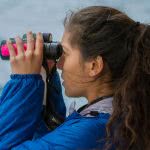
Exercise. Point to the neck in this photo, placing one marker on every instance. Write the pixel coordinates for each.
(95, 92)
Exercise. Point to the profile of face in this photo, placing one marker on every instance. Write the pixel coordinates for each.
(73, 70)
(76, 72)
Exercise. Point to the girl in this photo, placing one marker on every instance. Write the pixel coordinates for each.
(106, 59)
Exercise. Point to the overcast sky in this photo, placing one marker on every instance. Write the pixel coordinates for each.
(20, 16)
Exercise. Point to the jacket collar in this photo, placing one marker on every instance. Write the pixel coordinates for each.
(102, 106)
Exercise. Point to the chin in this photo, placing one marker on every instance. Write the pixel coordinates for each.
(71, 94)
(68, 94)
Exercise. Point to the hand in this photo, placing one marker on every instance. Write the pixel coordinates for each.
(29, 61)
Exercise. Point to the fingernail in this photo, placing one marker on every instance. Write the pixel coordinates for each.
(9, 41)
(39, 33)
(30, 32)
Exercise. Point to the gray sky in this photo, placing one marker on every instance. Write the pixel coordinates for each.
(19, 16)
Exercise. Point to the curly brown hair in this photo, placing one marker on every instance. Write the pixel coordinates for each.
(125, 46)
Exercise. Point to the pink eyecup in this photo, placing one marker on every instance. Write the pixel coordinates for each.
(5, 51)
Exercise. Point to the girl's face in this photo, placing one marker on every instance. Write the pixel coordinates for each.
(73, 68)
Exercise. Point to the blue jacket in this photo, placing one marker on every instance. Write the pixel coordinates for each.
(20, 115)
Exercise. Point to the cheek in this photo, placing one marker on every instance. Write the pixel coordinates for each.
(72, 73)
(73, 77)
(68, 65)
(72, 68)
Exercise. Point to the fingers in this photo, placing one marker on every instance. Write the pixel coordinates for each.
(30, 42)
(11, 49)
(29, 61)
(34, 49)
(39, 44)
(20, 47)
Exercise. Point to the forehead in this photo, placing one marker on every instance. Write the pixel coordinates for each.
(75, 50)
(65, 39)
(66, 43)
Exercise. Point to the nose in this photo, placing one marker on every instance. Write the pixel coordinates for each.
(60, 63)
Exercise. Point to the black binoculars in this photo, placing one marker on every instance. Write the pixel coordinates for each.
(52, 50)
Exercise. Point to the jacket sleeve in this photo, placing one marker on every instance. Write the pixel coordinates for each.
(74, 134)
(20, 109)
(57, 100)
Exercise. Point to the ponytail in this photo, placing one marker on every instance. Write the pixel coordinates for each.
(124, 46)
(130, 121)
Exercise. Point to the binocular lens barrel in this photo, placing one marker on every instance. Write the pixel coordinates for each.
(51, 50)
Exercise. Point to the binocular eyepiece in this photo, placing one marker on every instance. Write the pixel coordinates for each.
(51, 50)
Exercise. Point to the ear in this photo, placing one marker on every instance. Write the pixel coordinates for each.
(96, 66)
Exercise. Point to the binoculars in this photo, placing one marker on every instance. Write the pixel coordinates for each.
(52, 50)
